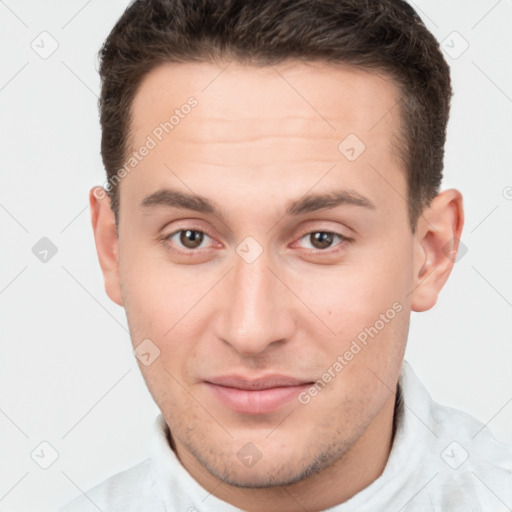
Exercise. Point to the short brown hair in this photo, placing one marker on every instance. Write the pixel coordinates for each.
(385, 36)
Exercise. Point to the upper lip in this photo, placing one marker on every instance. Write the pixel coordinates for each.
(259, 383)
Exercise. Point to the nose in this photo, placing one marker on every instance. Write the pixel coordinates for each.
(256, 309)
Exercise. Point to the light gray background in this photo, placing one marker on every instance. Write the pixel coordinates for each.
(67, 371)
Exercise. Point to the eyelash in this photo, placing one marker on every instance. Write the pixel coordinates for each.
(343, 241)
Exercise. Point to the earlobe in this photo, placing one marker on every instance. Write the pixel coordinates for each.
(436, 244)
(107, 244)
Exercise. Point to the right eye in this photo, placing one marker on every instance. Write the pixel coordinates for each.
(187, 239)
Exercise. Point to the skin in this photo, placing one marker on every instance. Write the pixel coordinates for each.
(251, 146)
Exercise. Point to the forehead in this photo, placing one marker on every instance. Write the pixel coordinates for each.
(278, 126)
(292, 98)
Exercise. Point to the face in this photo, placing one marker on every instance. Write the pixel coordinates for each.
(265, 252)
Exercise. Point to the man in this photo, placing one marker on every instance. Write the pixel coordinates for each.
(272, 216)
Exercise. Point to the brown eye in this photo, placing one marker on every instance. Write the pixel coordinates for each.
(326, 242)
(321, 239)
(189, 242)
(190, 238)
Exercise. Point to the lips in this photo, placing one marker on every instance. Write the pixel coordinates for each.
(255, 396)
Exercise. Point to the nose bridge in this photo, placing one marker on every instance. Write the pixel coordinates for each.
(255, 314)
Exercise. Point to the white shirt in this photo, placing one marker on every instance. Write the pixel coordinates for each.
(442, 459)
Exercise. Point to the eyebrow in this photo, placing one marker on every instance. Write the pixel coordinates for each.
(306, 204)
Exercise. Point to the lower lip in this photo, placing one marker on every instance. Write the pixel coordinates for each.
(260, 401)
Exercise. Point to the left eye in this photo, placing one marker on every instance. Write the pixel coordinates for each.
(321, 240)
(189, 238)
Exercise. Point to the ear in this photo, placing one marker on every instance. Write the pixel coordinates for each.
(107, 244)
(436, 244)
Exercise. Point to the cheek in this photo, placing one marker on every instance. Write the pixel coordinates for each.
(352, 297)
(163, 304)
(155, 293)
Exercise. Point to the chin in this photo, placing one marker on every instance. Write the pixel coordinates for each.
(267, 473)
(264, 478)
